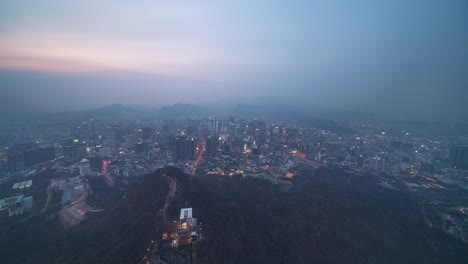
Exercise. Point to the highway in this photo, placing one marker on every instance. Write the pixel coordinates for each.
(201, 145)
(306, 160)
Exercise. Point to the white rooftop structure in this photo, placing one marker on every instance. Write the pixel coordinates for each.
(22, 185)
(85, 168)
(185, 213)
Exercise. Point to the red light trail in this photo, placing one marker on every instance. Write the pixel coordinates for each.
(302, 156)
(201, 145)
(105, 163)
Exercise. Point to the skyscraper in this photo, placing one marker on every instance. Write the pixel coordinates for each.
(360, 161)
(92, 126)
(141, 147)
(23, 156)
(378, 163)
(211, 145)
(189, 149)
(147, 132)
(85, 168)
(459, 157)
(183, 148)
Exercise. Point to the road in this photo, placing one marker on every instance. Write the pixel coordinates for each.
(160, 218)
(202, 146)
(170, 195)
(306, 160)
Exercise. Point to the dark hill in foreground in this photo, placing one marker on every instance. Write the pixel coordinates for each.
(120, 234)
(321, 220)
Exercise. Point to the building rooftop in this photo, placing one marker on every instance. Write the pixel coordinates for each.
(185, 213)
(22, 185)
(11, 200)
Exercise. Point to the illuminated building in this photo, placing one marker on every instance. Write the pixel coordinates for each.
(187, 226)
(69, 147)
(85, 168)
(105, 165)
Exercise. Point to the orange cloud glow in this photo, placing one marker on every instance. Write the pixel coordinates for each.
(74, 53)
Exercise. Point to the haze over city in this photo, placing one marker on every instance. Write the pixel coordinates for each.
(388, 57)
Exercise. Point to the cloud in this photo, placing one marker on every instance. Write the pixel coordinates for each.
(335, 53)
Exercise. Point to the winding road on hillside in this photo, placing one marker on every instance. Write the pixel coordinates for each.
(160, 219)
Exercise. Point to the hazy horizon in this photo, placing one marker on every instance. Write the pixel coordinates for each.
(398, 58)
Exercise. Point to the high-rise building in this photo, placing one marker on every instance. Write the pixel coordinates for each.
(378, 163)
(130, 140)
(23, 156)
(92, 127)
(84, 130)
(178, 148)
(360, 161)
(215, 126)
(189, 130)
(190, 149)
(141, 147)
(183, 148)
(459, 157)
(166, 140)
(39, 155)
(85, 168)
(211, 145)
(105, 151)
(147, 132)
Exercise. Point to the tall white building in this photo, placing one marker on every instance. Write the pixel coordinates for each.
(85, 168)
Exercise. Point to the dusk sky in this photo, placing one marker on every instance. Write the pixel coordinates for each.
(382, 56)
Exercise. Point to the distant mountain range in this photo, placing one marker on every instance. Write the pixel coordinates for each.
(183, 110)
(118, 112)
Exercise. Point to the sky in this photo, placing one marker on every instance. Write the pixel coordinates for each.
(394, 57)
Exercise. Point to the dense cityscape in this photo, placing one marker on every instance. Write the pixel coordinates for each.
(402, 157)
